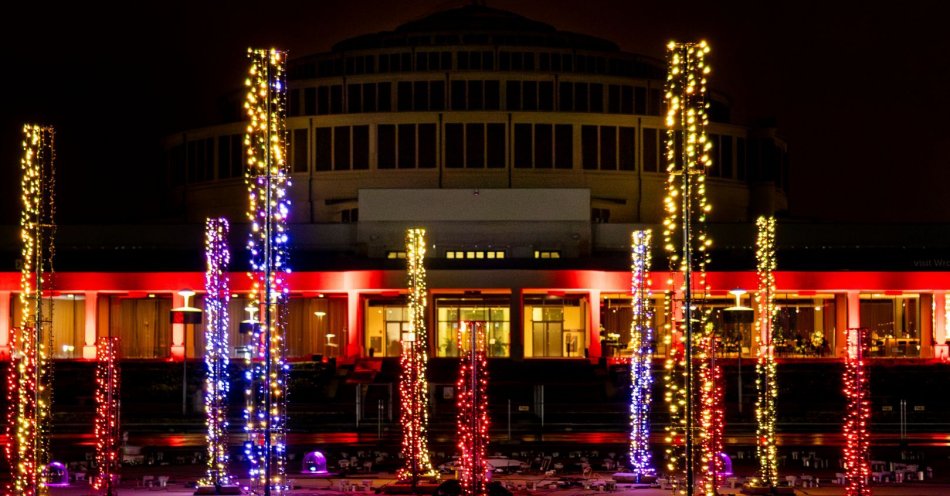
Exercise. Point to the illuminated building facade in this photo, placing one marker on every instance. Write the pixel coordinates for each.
(529, 155)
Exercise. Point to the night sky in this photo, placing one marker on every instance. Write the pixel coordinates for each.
(861, 94)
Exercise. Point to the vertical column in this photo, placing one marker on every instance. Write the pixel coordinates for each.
(926, 325)
(5, 324)
(854, 309)
(841, 324)
(351, 347)
(178, 331)
(90, 330)
(593, 334)
(940, 324)
(516, 323)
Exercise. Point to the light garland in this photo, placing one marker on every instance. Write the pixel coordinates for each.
(30, 374)
(641, 361)
(687, 247)
(107, 416)
(472, 405)
(765, 381)
(217, 351)
(857, 469)
(712, 418)
(267, 180)
(413, 385)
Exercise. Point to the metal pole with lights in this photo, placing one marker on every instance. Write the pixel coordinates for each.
(30, 375)
(641, 360)
(268, 179)
(472, 406)
(766, 374)
(687, 245)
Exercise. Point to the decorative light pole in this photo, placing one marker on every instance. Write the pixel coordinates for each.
(687, 246)
(641, 361)
(857, 418)
(30, 375)
(217, 353)
(413, 385)
(765, 382)
(267, 179)
(107, 416)
(472, 405)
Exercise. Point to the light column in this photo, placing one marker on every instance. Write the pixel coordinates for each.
(687, 247)
(857, 467)
(641, 361)
(267, 179)
(413, 385)
(30, 376)
(472, 405)
(90, 331)
(765, 381)
(107, 416)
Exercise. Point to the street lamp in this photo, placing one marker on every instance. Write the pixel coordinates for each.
(184, 315)
(738, 315)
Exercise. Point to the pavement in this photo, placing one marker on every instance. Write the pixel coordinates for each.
(519, 484)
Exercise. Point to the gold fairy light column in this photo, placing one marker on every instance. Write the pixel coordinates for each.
(765, 381)
(686, 244)
(29, 380)
(413, 385)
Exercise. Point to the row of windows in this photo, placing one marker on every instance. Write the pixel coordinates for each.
(518, 95)
(473, 60)
(466, 145)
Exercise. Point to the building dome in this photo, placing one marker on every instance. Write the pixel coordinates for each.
(478, 99)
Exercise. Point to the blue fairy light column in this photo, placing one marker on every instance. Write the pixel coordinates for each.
(641, 361)
(267, 180)
(217, 351)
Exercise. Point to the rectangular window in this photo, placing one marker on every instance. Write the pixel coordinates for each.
(360, 147)
(529, 100)
(384, 97)
(224, 157)
(608, 148)
(580, 97)
(310, 101)
(436, 95)
(458, 95)
(341, 148)
(628, 148)
(640, 100)
(655, 104)
(404, 96)
(613, 99)
(454, 146)
(492, 313)
(589, 147)
(323, 100)
(386, 146)
(475, 146)
(407, 146)
(237, 155)
(740, 159)
(300, 146)
(336, 99)
(545, 96)
(596, 97)
(495, 141)
(369, 97)
(712, 166)
(564, 146)
(420, 95)
(354, 98)
(293, 103)
(523, 146)
(725, 157)
(427, 148)
(513, 95)
(543, 146)
(651, 156)
(626, 99)
(492, 96)
(475, 95)
(565, 96)
(324, 148)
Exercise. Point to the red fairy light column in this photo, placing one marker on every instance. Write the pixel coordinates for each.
(472, 404)
(857, 468)
(107, 416)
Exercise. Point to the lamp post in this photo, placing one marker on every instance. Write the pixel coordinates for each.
(184, 315)
(739, 315)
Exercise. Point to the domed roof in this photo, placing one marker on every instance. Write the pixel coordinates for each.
(476, 25)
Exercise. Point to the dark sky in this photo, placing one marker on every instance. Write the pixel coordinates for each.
(860, 93)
